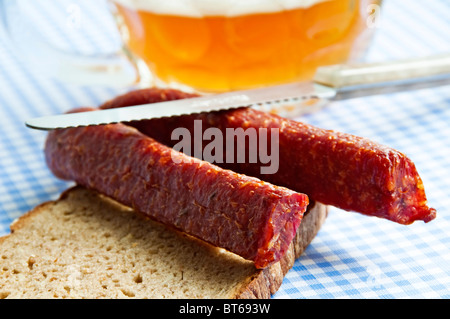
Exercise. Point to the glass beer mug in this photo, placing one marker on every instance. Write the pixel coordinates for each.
(229, 44)
(223, 45)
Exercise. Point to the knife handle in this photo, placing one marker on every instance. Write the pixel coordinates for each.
(395, 75)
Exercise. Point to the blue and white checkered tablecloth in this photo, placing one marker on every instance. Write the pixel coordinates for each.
(353, 256)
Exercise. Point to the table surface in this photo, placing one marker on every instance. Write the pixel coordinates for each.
(353, 256)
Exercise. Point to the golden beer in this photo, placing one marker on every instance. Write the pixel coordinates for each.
(262, 43)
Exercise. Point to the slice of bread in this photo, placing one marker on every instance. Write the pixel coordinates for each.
(85, 245)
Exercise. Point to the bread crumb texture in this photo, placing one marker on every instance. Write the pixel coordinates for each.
(88, 246)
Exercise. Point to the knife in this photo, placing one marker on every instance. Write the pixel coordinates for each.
(330, 83)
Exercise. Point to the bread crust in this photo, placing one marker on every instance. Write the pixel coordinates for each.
(266, 282)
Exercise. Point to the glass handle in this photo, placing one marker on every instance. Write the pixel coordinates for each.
(117, 69)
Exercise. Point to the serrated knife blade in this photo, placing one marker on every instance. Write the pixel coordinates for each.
(293, 92)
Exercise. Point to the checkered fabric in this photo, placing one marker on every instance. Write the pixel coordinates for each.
(353, 256)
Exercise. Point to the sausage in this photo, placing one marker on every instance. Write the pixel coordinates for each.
(339, 169)
(243, 214)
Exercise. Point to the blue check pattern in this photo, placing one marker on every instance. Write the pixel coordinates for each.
(353, 256)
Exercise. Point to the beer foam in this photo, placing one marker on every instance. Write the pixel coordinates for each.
(202, 8)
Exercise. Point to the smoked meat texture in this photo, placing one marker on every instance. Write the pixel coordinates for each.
(349, 172)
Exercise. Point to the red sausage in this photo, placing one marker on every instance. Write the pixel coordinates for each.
(245, 215)
(339, 169)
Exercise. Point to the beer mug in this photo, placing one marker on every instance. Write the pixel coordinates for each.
(224, 45)
(229, 44)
